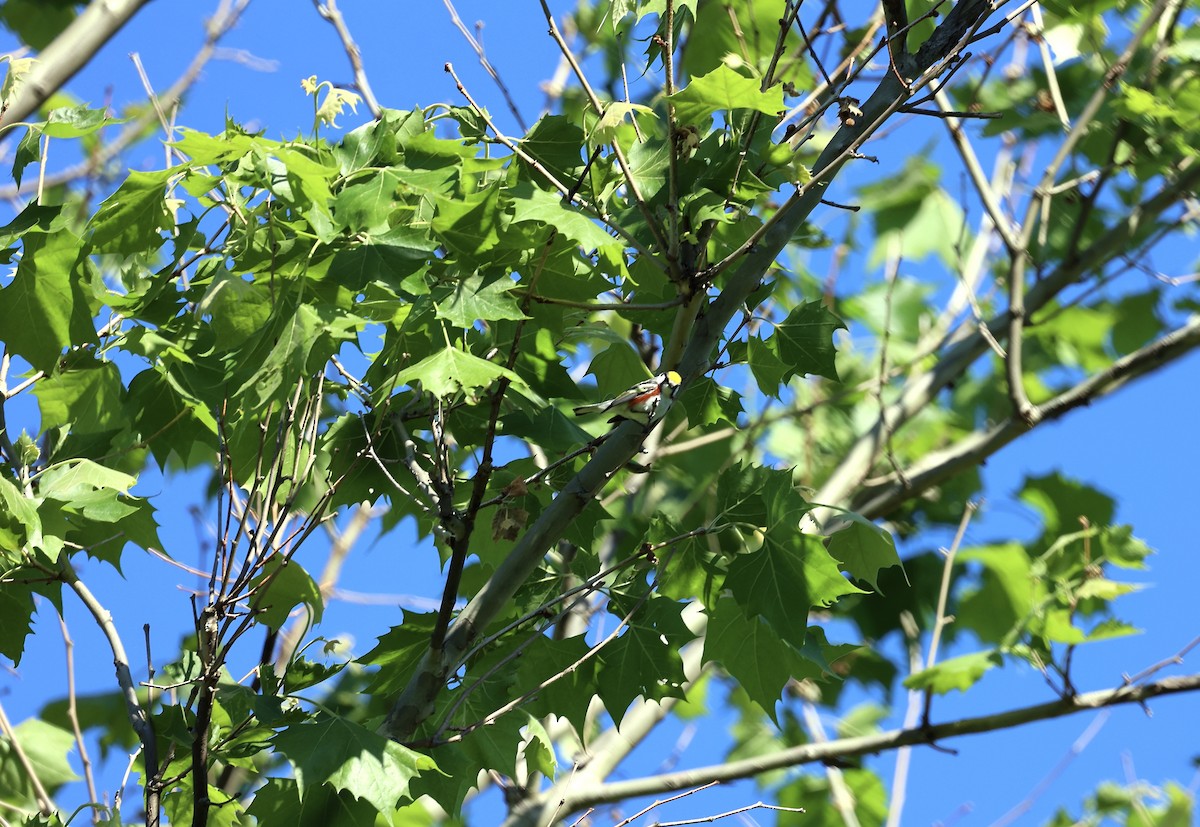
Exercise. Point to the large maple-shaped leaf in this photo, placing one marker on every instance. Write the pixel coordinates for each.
(44, 309)
(752, 652)
(533, 204)
(469, 225)
(399, 651)
(864, 549)
(132, 219)
(645, 660)
(331, 750)
(638, 663)
(89, 397)
(279, 802)
(89, 504)
(791, 572)
(724, 89)
(762, 662)
(570, 692)
(450, 371)
(476, 299)
(804, 341)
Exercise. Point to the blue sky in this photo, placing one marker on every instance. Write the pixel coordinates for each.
(1138, 446)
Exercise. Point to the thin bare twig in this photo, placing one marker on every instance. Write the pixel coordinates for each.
(486, 64)
(98, 811)
(139, 720)
(941, 619)
(660, 802)
(328, 10)
(45, 804)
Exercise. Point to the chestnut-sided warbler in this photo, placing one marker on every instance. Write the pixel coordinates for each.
(645, 402)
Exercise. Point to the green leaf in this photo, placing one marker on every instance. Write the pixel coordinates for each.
(570, 694)
(29, 151)
(20, 525)
(757, 658)
(450, 371)
(133, 218)
(645, 660)
(557, 144)
(238, 309)
(366, 207)
(477, 299)
(283, 585)
(88, 397)
(36, 22)
(76, 477)
(959, 673)
(533, 204)
(605, 130)
(1005, 595)
(76, 121)
(45, 310)
(804, 341)
(913, 216)
(279, 802)
(47, 749)
(16, 609)
(89, 504)
(863, 549)
(179, 806)
(724, 89)
(791, 571)
(331, 750)
(398, 653)
(470, 225)
(388, 257)
(1061, 502)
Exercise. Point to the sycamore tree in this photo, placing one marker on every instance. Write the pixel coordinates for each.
(383, 329)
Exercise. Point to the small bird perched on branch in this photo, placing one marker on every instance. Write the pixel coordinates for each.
(645, 402)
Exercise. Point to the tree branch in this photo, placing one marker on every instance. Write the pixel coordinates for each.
(962, 351)
(139, 720)
(67, 54)
(219, 24)
(881, 498)
(578, 796)
(330, 12)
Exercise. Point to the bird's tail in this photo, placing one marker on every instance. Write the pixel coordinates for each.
(584, 410)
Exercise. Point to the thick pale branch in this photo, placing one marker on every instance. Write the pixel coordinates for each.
(218, 26)
(962, 352)
(579, 796)
(70, 52)
(881, 499)
(1040, 203)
